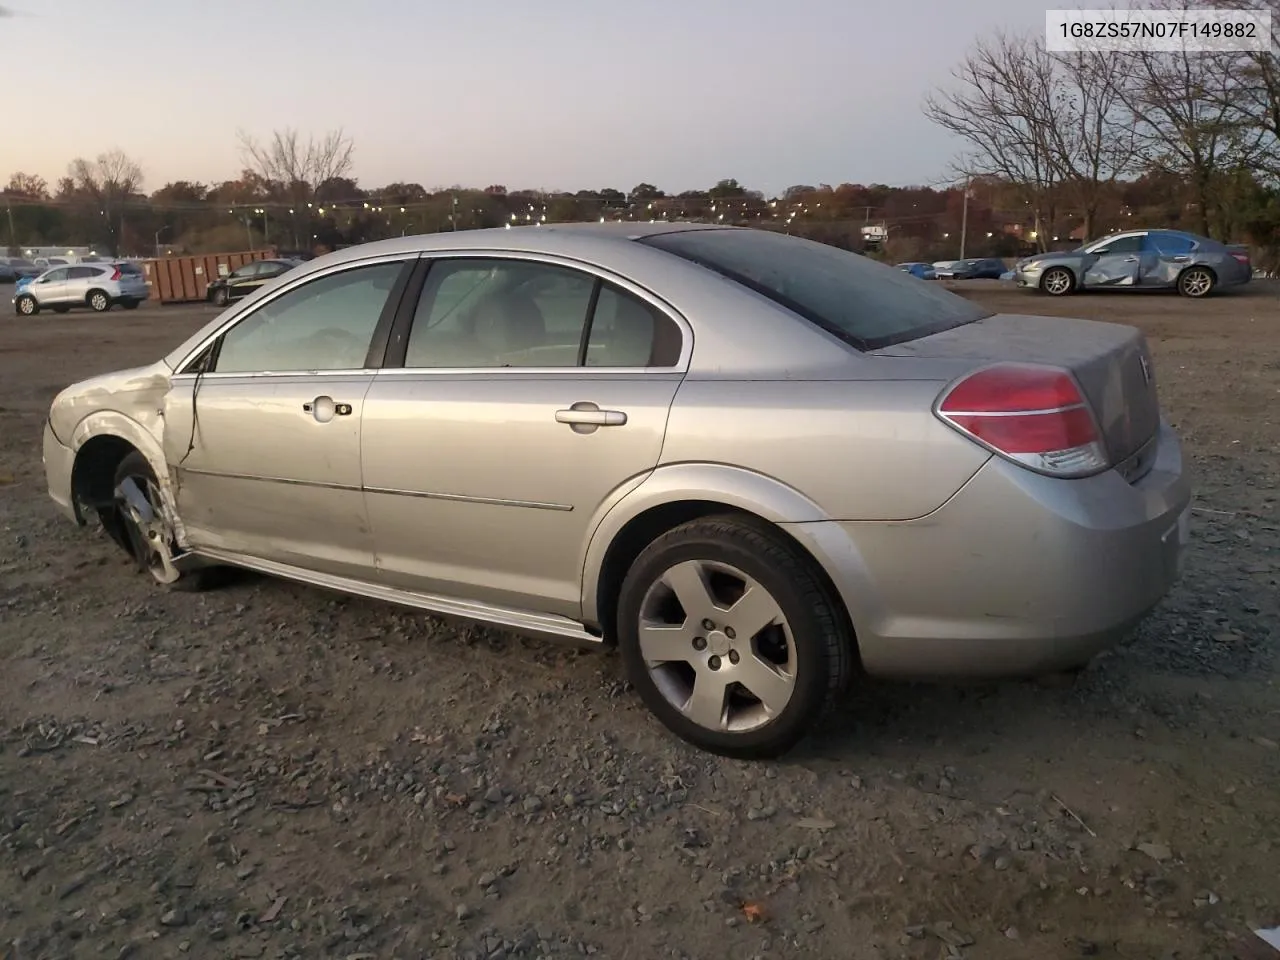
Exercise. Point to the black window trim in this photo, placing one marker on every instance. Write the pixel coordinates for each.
(397, 344)
(206, 351)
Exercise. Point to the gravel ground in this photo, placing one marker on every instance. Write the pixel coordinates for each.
(268, 770)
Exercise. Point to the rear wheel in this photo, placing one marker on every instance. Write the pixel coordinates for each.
(27, 305)
(730, 637)
(1058, 282)
(1196, 282)
(99, 301)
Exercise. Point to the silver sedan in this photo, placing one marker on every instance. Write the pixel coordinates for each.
(755, 463)
(1195, 266)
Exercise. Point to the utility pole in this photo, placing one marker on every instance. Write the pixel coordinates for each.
(964, 217)
(13, 234)
(453, 217)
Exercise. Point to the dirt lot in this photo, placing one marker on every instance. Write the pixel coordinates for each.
(267, 770)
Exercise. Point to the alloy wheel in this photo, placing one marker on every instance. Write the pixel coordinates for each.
(717, 646)
(141, 507)
(1057, 282)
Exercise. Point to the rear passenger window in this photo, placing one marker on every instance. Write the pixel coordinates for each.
(627, 332)
(481, 313)
(1171, 244)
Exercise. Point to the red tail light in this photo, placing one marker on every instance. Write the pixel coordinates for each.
(1242, 258)
(1032, 414)
(115, 273)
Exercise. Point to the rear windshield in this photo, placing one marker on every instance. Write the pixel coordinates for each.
(867, 304)
(128, 269)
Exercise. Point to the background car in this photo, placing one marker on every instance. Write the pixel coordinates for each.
(922, 270)
(752, 461)
(15, 268)
(982, 268)
(1193, 265)
(246, 279)
(98, 286)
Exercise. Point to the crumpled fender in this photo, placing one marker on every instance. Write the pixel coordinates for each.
(113, 423)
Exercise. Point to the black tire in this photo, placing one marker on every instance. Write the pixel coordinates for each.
(121, 529)
(221, 297)
(1062, 284)
(98, 301)
(130, 304)
(1197, 282)
(27, 305)
(824, 647)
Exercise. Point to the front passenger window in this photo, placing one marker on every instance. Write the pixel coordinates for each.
(324, 324)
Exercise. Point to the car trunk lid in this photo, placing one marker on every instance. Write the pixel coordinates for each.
(1111, 362)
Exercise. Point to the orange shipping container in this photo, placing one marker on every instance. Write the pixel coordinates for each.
(185, 279)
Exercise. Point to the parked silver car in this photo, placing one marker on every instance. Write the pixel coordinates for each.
(1195, 266)
(98, 286)
(752, 461)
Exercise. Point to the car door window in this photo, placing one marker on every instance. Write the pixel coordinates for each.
(245, 272)
(56, 276)
(488, 312)
(1171, 244)
(1120, 245)
(324, 324)
(81, 273)
(627, 332)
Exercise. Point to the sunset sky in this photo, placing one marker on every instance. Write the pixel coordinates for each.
(558, 94)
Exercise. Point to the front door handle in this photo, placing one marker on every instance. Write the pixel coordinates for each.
(325, 409)
(1130, 259)
(585, 417)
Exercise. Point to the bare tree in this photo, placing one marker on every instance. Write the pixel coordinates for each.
(1257, 90)
(28, 185)
(294, 165)
(1092, 138)
(111, 180)
(1187, 119)
(1002, 106)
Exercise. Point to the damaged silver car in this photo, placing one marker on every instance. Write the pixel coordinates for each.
(755, 464)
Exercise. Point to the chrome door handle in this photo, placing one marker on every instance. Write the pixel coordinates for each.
(595, 418)
(585, 414)
(325, 409)
(1130, 259)
(1180, 259)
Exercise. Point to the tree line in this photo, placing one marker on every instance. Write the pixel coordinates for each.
(1069, 132)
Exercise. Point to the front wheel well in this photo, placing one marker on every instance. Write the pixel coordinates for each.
(642, 529)
(93, 475)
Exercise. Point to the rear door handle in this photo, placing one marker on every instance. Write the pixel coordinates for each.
(325, 409)
(589, 415)
(1130, 259)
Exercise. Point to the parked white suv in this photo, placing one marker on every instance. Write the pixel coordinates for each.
(98, 286)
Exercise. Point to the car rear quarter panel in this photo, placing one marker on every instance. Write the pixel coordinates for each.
(867, 449)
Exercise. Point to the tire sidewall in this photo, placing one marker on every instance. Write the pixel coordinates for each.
(27, 305)
(812, 670)
(93, 305)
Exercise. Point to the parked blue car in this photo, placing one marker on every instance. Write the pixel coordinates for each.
(922, 270)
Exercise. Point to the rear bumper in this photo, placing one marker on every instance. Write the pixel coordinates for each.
(1017, 574)
(58, 463)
